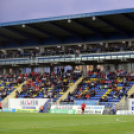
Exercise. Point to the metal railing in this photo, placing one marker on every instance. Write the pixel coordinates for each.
(68, 58)
(119, 105)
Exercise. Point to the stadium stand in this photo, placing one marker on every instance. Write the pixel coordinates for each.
(8, 84)
(103, 89)
(70, 86)
(33, 55)
(48, 85)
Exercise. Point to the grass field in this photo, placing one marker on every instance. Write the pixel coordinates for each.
(27, 123)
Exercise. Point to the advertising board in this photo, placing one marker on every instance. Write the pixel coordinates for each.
(86, 102)
(66, 109)
(19, 110)
(26, 103)
(62, 111)
(6, 110)
(26, 111)
(130, 104)
(125, 112)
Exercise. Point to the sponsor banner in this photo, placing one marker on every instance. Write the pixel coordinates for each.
(125, 112)
(26, 111)
(26, 103)
(86, 102)
(77, 109)
(62, 111)
(130, 104)
(7, 110)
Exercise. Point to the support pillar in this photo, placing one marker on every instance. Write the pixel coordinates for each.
(42, 70)
(32, 69)
(41, 49)
(21, 70)
(5, 71)
(106, 45)
(112, 67)
(63, 48)
(22, 50)
(129, 67)
(5, 52)
(129, 43)
(85, 73)
(51, 68)
(85, 46)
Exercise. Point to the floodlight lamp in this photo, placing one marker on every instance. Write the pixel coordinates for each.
(19, 49)
(69, 21)
(94, 18)
(23, 25)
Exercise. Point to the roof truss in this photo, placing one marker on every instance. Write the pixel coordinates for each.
(114, 26)
(25, 35)
(90, 28)
(51, 35)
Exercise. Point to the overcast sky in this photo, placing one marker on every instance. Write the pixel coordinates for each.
(12, 10)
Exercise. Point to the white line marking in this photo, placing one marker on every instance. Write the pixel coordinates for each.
(122, 121)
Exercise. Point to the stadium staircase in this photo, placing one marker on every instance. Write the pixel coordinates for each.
(130, 92)
(71, 89)
(122, 102)
(12, 95)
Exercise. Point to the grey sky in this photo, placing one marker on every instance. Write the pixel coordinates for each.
(12, 10)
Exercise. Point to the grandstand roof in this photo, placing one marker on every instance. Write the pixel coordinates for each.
(107, 25)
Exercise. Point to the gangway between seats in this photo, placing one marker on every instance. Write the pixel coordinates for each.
(124, 98)
(70, 90)
(12, 95)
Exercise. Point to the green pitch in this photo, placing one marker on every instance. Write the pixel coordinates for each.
(28, 123)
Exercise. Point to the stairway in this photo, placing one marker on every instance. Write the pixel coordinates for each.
(122, 102)
(130, 92)
(71, 89)
(12, 94)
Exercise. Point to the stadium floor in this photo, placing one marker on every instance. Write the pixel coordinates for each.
(27, 123)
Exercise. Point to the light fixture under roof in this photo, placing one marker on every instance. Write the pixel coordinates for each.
(79, 45)
(19, 49)
(58, 46)
(94, 18)
(123, 42)
(101, 43)
(69, 21)
(23, 25)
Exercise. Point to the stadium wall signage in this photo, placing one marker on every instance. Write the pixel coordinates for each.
(26, 103)
(65, 109)
(19, 110)
(86, 102)
(125, 112)
(26, 111)
(130, 104)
